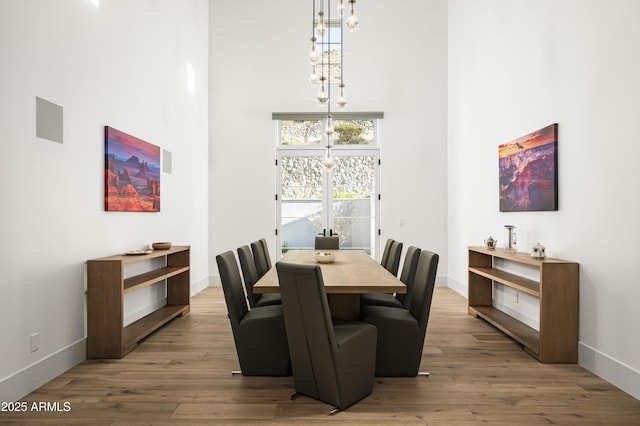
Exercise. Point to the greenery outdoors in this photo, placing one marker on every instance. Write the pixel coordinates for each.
(349, 134)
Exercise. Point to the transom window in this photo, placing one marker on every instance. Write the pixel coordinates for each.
(309, 131)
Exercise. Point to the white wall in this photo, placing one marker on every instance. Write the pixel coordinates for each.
(259, 66)
(124, 65)
(517, 66)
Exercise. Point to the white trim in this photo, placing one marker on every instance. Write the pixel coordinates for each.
(458, 287)
(602, 365)
(197, 287)
(30, 378)
(613, 371)
(214, 281)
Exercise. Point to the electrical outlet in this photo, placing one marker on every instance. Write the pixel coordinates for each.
(35, 341)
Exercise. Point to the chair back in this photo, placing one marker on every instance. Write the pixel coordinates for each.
(267, 256)
(385, 254)
(422, 292)
(259, 258)
(393, 261)
(310, 331)
(259, 334)
(232, 288)
(408, 274)
(249, 273)
(327, 243)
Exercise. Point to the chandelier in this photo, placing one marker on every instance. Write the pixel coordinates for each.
(323, 57)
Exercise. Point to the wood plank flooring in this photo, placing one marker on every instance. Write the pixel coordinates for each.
(180, 375)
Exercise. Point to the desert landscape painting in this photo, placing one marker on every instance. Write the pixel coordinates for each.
(528, 170)
(132, 173)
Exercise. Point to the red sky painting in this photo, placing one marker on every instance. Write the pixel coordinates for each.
(132, 173)
(528, 172)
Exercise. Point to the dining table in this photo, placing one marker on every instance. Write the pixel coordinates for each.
(352, 273)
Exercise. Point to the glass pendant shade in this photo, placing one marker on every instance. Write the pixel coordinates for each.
(323, 97)
(324, 63)
(328, 160)
(313, 53)
(329, 129)
(342, 99)
(352, 22)
(313, 78)
(320, 27)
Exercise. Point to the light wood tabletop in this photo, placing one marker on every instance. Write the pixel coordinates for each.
(353, 272)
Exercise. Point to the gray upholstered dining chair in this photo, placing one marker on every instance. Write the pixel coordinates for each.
(385, 254)
(265, 249)
(259, 334)
(331, 360)
(259, 258)
(406, 276)
(327, 243)
(401, 332)
(250, 275)
(393, 261)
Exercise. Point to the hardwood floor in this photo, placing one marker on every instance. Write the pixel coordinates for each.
(180, 375)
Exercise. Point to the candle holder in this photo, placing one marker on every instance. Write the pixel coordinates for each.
(511, 239)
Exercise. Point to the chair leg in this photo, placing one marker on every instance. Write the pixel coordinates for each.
(333, 411)
(295, 396)
(424, 373)
(235, 372)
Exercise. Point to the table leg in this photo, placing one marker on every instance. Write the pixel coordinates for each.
(344, 306)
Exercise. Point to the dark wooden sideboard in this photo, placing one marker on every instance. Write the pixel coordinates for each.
(107, 336)
(557, 290)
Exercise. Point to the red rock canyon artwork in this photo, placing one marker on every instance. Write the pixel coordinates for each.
(131, 173)
(529, 172)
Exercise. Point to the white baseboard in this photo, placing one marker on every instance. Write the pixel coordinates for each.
(21, 383)
(30, 378)
(458, 287)
(441, 282)
(200, 285)
(611, 370)
(602, 365)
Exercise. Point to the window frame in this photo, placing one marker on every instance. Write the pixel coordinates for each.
(375, 116)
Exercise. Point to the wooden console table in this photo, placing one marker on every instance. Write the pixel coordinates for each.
(557, 289)
(107, 337)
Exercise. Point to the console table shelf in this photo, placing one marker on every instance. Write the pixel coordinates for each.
(557, 289)
(519, 283)
(518, 331)
(152, 277)
(107, 337)
(140, 329)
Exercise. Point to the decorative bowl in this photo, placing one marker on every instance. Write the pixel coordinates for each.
(161, 245)
(325, 256)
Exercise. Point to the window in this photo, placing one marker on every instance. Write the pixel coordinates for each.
(312, 200)
(329, 48)
(307, 129)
